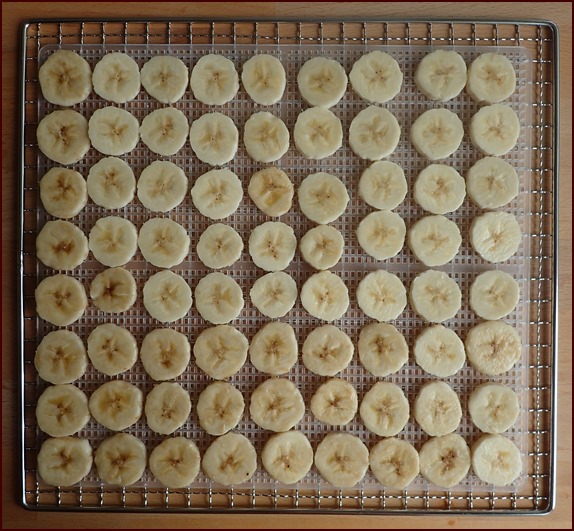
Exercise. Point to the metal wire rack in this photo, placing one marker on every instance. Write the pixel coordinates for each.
(533, 495)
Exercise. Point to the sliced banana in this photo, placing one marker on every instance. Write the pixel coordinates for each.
(493, 347)
(121, 459)
(218, 298)
(65, 78)
(112, 349)
(322, 81)
(263, 78)
(64, 461)
(165, 78)
(494, 129)
(164, 131)
(342, 459)
(335, 402)
(274, 294)
(61, 357)
(214, 138)
(217, 193)
(162, 186)
(63, 137)
(287, 457)
(374, 133)
(385, 409)
(175, 462)
(492, 183)
(383, 185)
(496, 460)
(437, 409)
(272, 191)
(322, 247)
(434, 240)
(219, 246)
(165, 353)
(230, 459)
(62, 410)
(276, 405)
(116, 405)
(60, 300)
(493, 407)
(266, 137)
(214, 80)
(376, 77)
(163, 242)
(491, 78)
(495, 236)
(439, 189)
(220, 351)
(327, 350)
(167, 296)
(113, 241)
(219, 408)
(111, 183)
(381, 295)
(441, 75)
(116, 77)
(437, 133)
(445, 461)
(435, 296)
(394, 462)
(61, 245)
(272, 245)
(494, 294)
(63, 192)
(322, 197)
(439, 351)
(381, 234)
(113, 290)
(167, 407)
(113, 131)
(318, 133)
(325, 296)
(383, 350)
(273, 349)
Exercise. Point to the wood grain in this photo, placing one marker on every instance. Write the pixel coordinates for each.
(14, 13)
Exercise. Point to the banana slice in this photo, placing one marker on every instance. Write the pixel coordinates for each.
(116, 405)
(327, 350)
(272, 245)
(165, 78)
(272, 191)
(113, 131)
(113, 290)
(322, 197)
(165, 353)
(220, 351)
(218, 298)
(335, 402)
(383, 185)
(439, 351)
(273, 349)
(492, 183)
(60, 300)
(175, 462)
(65, 78)
(342, 459)
(441, 75)
(164, 131)
(374, 133)
(325, 296)
(381, 234)
(434, 240)
(230, 459)
(64, 461)
(439, 189)
(266, 137)
(495, 236)
(493, 407)
(113, 241)
(111, 183)
(385, 409)
(496, 460)
(493, 347)
(376, 77)
(163, 242)
(445, 461)
(214, 80)
(274, 294)
(318, 133)
(219, 408)
(435, 296)
(491, 78)
(61, 357)
(322, 81)
(117, 78)
(494, 294)
(287, 457)
(62, 410)
(63, 136)
(63, 192)
(112, 349)
(394, 462)
(495, 129)
(381, 295)
(219, 246)
(61, 245)
(167, 407)
(437, 133)
(263, 78)
(214, 138)
(437, 409)
(162, 186)
(322, 247)
(167, 296)
(276, 405)
(217, 193)
(383, 350)
(121, 459)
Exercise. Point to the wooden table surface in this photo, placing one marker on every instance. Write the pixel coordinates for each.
(14, 13)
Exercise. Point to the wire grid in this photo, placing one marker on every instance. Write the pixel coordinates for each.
(533, 493)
